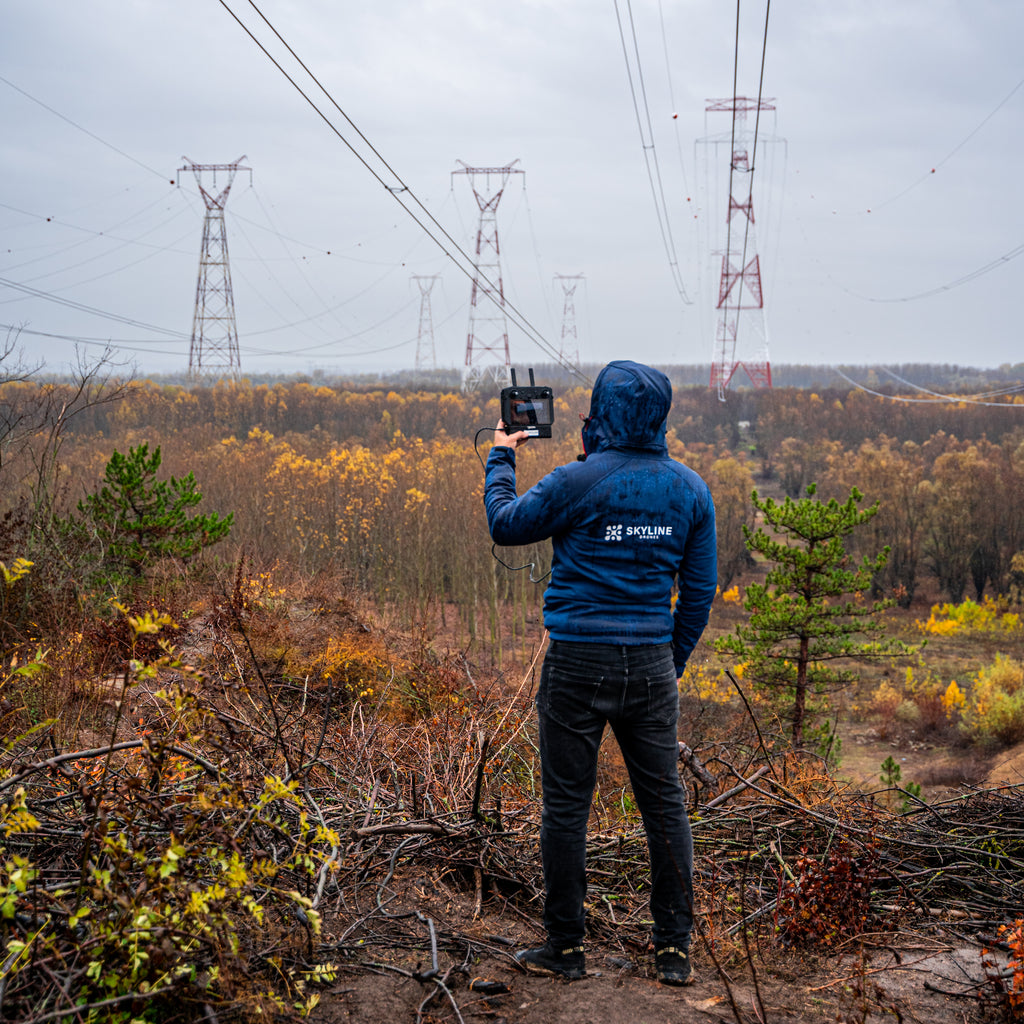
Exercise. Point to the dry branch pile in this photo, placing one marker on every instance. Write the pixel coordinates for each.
(239, 841)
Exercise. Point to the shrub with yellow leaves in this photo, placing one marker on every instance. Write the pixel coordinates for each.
(993, 709)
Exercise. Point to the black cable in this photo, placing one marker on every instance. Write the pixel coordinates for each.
(131, 345)
(83, 308)
(964, 279)
(963, 142)
(494, 547)
(650, 153)
(102, 142)
(732, 137)
(753, 155)
(741, 274)
(1013, 389)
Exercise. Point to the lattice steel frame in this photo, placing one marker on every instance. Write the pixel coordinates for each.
(740, 293)
(487, 348)
(213, 351)
(426, 356)
(569, 346)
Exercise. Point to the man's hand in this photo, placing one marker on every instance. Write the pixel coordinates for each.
(513, 441)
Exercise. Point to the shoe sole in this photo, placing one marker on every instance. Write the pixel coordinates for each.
(676, 981)
(550, 972)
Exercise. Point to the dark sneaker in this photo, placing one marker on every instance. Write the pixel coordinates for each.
(565, 963)
(673, 966)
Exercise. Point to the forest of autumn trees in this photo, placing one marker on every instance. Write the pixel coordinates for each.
(386, 486)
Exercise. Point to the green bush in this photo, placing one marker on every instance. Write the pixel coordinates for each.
(152, 882)
(994, 709)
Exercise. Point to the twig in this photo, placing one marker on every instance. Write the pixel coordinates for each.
(747, 783)
(693, 762)
(131, 997)
(753, 719)
(402, 828)
(54, 762)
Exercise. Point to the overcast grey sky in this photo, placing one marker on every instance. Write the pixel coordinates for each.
(852, 224)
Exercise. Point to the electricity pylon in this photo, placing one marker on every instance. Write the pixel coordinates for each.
(214, 347)
(569, 347)
(487, 352)
(426, 357)
(740, 295)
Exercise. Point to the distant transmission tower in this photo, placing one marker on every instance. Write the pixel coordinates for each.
(740, 302)
(214, 347)
(569, 349)
(487, 354)
(426, 357)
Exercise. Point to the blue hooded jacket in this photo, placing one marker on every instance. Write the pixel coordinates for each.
(625, 524)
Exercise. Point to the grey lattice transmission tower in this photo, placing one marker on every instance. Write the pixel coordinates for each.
(426, 357)
(487, 350)
(569, 348)
(214, 347)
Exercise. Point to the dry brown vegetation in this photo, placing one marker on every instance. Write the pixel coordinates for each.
(296, 774)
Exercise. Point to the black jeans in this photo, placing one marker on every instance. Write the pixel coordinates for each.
(583, 687)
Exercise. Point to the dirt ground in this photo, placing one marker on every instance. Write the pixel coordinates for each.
(894, 977)
(929, 972)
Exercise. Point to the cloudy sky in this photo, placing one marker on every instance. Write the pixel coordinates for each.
(886, 189)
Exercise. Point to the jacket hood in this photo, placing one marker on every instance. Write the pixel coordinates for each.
(628, 408)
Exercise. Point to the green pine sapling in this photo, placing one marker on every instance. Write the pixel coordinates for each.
(138, 519)
(808, 613)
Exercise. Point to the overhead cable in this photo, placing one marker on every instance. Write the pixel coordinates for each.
(92, 310)
(977, 399)
(92, 135)
(963, 142)
(950, 285)
(753, 156)
(125, 345)
(643, 123)
(941, 400)
(397, 188)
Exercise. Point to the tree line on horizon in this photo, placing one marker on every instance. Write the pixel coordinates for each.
(386, 486)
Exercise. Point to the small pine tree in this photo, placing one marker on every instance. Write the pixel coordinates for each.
(138, 519)
(808, 613)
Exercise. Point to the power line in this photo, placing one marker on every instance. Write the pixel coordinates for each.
(399, 190)
(672, 94)
(940, 400)
(92, 233)
(92, 310)
(127, 344)
(649, 151)
(960, 145)
(950, 285)
(748, 275)
(974, 399)
(74, 124)
(154, 250)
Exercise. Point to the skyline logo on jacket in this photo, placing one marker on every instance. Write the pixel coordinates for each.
(618, 531)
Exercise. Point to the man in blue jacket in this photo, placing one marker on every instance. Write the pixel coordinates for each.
(627, 524)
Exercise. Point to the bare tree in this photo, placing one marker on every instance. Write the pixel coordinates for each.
(35, 414)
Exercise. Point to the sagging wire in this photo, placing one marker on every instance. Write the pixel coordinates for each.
(963, 142)
(449, 246)
(921, 401)
(741, 274)
(649, 151)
